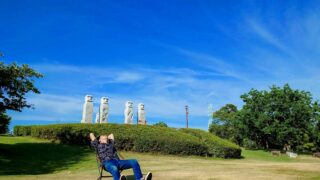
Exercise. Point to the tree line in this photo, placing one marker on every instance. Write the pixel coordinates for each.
(277, 118)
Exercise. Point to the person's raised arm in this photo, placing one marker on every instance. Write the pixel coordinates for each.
(111, 136)
(92, 137)
(94, 141)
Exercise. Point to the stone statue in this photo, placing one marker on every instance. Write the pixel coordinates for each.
(97, 118)
(104, 110)
(128, 113)
(87, 113)
(141, 114)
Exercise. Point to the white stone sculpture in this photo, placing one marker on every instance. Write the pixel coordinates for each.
(104, 110)
(87, 113)
(141, 114)
(128, 113)
(97, 118)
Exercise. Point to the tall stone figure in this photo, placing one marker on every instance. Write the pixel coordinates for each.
(87, 113)
(141, 114)
(128, 113)
(104, 110)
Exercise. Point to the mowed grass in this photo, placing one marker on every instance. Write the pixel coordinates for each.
(24, 158)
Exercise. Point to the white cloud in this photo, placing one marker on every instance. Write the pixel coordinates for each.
(165, 91)
(258, 29)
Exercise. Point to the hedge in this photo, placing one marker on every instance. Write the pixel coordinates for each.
(217, 147)
(139, 138)
(22, 130)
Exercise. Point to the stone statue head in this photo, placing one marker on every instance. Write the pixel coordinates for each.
(129, 104)
(88, 98)
(141, 106)
(104, 100)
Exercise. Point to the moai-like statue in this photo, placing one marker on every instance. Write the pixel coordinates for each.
(104, 110)
(141, 114)
(128, 113)
(87, 113)
(97, 118)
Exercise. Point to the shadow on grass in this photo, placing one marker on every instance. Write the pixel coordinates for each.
(38, 158)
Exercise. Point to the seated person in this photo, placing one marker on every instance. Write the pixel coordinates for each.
(107, 154)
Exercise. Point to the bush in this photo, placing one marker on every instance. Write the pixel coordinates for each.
(139, 138)
(249, 144)
(22, 130)
(217, 147)
(161, 124)
(306, 148)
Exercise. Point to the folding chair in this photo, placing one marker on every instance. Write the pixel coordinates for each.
(100, 164)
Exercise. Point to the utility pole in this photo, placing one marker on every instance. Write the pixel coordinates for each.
(187, 113)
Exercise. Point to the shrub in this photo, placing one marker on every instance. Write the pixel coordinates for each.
(161, 124)
(22, 130)
(217, 147)
(138, 138)
(249, 144)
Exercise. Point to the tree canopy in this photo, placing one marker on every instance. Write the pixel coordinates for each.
(223, 122)
(278, 117)
(161, 124)
(15, 82)
(274, 118)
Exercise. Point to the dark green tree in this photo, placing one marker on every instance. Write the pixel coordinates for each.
(161, 124)
(277, 117)
(15, 82)
(223, 123)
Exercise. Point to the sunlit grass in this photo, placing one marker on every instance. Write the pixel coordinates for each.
(24, 158)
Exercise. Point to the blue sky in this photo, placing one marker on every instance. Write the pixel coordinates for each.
(165, 54)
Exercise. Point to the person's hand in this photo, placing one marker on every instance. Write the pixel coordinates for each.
(92, 137)
(111, 137)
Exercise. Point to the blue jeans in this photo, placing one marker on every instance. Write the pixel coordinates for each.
(114, 166)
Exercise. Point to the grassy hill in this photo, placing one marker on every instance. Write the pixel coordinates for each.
(139, 138)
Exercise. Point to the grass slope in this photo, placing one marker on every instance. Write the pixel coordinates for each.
(139, 138)
(27, 158)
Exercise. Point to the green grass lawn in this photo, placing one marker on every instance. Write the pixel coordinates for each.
(26, 158)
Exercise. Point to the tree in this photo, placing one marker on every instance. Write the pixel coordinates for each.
(15, 82)
(161, 124)
(277, 117)
(223, 123)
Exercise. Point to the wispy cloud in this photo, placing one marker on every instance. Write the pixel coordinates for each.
(267, 36)
(165, 92)
(284, 51)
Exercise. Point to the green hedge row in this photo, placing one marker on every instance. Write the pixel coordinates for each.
(22, 130)
(217, 147)
(128, 137)
(139, 138)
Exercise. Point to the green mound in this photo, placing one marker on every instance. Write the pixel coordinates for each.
(138, 138)
(217, 147)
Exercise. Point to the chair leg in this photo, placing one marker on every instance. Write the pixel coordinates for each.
(101, 171)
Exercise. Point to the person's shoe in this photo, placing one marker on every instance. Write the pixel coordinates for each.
(148, 176)
(123, 177)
